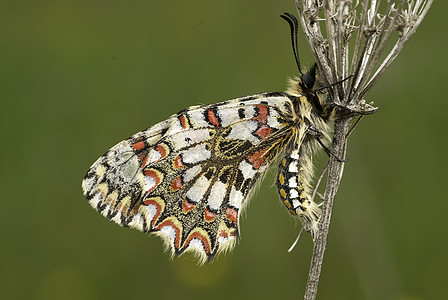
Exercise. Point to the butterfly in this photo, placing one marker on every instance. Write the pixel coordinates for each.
(187, 178)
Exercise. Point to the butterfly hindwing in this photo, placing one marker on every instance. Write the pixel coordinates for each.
(188, 178)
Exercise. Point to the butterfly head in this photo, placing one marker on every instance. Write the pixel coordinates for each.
(308, 80)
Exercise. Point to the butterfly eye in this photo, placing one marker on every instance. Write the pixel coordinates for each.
(308, 80)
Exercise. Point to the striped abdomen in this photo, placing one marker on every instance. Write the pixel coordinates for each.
(294, 185)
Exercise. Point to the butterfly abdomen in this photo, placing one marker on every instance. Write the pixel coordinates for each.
(294, 177)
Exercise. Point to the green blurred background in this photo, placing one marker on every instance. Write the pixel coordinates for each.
(76, 77)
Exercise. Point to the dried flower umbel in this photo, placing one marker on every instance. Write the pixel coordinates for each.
(357, 35)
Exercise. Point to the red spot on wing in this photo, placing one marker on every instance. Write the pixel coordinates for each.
(212, 118)
(183, 121)
(223, 233)
(151, 201)
(208, 215)
(123, 208)
(263, 131)
(178, 162)
(109, 200)
(232, 214)
(143, 158)
(138, 145)
(162, 151)
(202, 238)
(263, 111)
(151, 173)
(187, 206)
(257, 159)
(177, 183)
(171, 224)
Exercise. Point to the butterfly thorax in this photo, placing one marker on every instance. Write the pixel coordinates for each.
(309, 106)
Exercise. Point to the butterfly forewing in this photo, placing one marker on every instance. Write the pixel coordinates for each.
(188, 178)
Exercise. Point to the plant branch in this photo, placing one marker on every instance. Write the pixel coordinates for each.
(334, 178)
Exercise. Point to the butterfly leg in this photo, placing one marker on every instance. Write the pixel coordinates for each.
(312, 130)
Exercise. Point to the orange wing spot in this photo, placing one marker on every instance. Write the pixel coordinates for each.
(187, 206)
(176, 228)
(183, 121)
(124, 209)
(283, 194)
(223, 233)
(257, 159)
(177, 183)
(287, 204)
(262, 113)
(281, 179)
(284, 162)
(212, 118)
(232, 214)
(204, 239)
(155, 176)
(154, 201)
(138, 145)
(263, 131)
(178, 162)
(143, 158)
(209, 216)
(162, 151)
(109, 200)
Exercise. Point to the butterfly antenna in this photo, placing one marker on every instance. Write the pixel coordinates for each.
(295, 242)
(294, 26)
(333, 84)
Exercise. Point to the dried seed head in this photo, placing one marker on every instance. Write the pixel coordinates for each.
(350, 38)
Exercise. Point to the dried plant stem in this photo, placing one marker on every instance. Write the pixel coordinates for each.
(334, 178)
